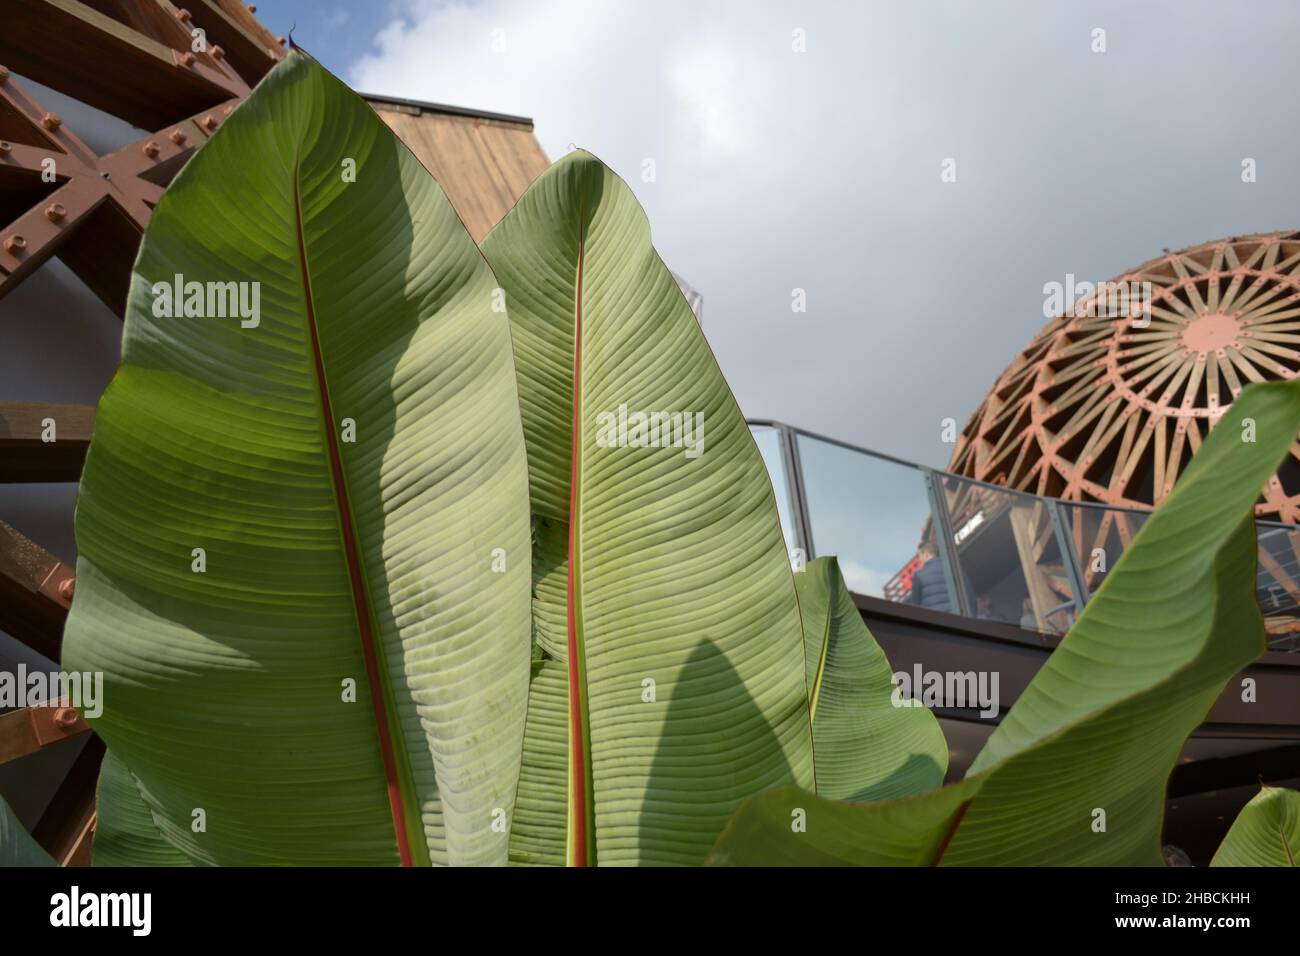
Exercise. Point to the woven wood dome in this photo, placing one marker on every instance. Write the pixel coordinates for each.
(1111, 407)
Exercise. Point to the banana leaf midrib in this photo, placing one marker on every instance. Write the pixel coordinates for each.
(399, 783)
(580, 842)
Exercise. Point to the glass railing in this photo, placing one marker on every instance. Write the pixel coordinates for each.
(919, 536)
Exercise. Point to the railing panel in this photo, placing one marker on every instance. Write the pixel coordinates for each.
(768, 439)
(874, 515)
(1098, 536)
(1277, 585)
(1020, 559)
(1009, 556)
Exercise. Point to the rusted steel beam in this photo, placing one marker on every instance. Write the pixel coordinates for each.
(63, 828)
(40, 441)
(28, 241)
(155, 19)
(138, 60)
(157, 157)
(96, 216)
(246, 44)
(30, 729)
(101, 61)
(36, 591)
(94, 220)
(20, 163)
(14, 125)
(30, 122)
(101, 252)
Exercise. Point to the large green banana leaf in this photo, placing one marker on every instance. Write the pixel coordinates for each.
(127, 832)
(1265, 833)
(352, 464)
(867, 748)
(17, 848)
(671, 683)
(1076, 772)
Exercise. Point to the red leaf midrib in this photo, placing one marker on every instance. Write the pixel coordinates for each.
(352, 553)
(578, 795)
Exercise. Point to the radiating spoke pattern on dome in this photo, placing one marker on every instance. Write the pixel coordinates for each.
(1113, 397)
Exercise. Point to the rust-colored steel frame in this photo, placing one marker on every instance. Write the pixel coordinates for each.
(99, 205)
(1111, 408)
(137, 60)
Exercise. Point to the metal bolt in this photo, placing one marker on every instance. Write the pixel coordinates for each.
(217, 52)
(227, 111)
(187, 58)
(67, 588)
(209, 122)
(51, 121)
(55, 212)
(15, 245)
(4, 148)
(66, 717)
(183, 15)
(252, 8)
(281, 40)
(151, 149)
(177, 137)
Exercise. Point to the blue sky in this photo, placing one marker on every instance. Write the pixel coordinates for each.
(336, 32)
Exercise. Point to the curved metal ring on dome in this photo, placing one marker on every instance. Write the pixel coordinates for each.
(1111, 407)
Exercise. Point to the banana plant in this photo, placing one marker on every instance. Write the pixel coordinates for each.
(668, 677)
(867, 748)
(377, 575)
(303, 532)
(1076, 772)
(1265, 833)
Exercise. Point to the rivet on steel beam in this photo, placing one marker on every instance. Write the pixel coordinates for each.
(4, 148)
(209, 122)
(66, 717)
(281, 40)
(183, 15)
(151, 149)
(51, 121)
(217, 52)
(177, 136)
(68, 588)
(55, 212)
(252, 8)
(15, 245)
(227, 111)
(4, 73)
(187, 58)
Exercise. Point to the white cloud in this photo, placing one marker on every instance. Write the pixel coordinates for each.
(736, 122)
(820, 170)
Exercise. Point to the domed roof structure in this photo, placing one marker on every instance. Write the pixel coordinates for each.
(1113, 397)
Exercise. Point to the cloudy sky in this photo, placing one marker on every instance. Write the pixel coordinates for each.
(821, 170)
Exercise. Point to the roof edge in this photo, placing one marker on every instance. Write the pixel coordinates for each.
(426, 107)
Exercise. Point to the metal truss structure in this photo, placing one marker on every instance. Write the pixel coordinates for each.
(174, 73)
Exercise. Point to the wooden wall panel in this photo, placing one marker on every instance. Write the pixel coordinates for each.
(484, 165)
